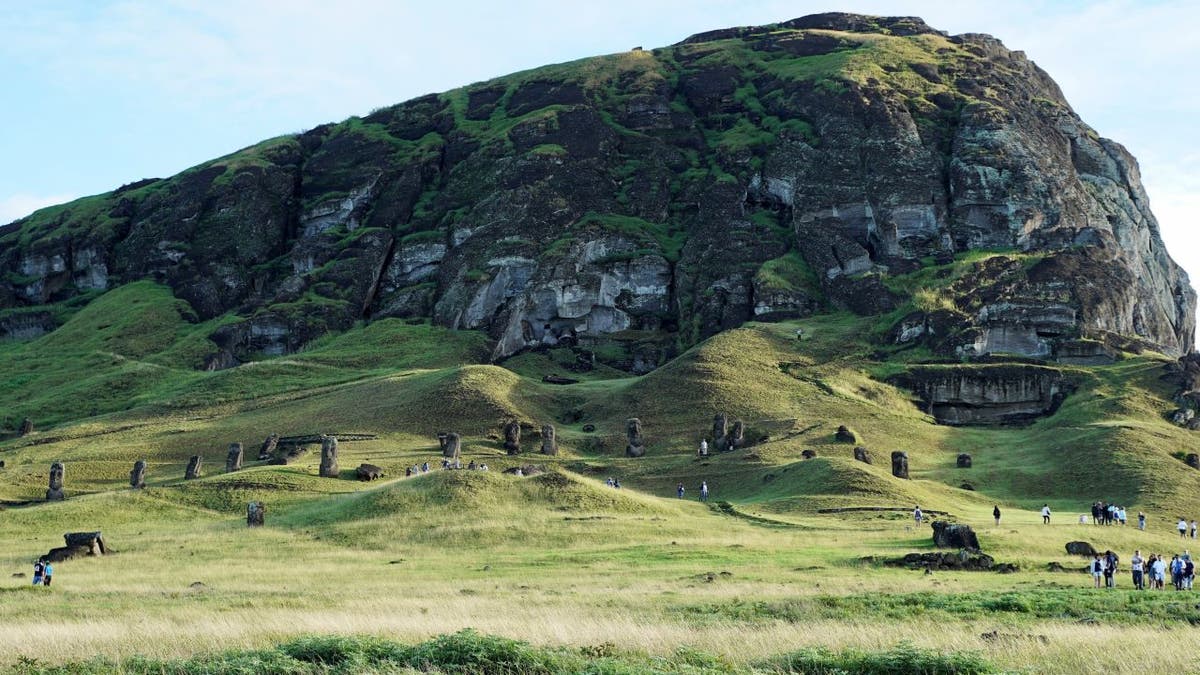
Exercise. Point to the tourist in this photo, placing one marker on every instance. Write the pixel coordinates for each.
(39, 568)
(1189, 571)
(704, 491)
(679, 491)
(1121, 515)
(703, 451)
(1177, 572)
(408, 472)
(483, 467)
(1182, 526)
(1141, 521)
(1159, 568)
(1045, 514)
(471, 466)
(47, 573)
(1110, 569)
(609, 482)
(996, 514)
(1135, 563)
(617, 484)
(1097, 569)
(918, 516)
(1193, 529)
(1096, 512)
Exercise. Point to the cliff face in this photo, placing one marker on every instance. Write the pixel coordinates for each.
(655, 198)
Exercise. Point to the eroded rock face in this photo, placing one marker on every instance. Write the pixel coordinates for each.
(987, 394)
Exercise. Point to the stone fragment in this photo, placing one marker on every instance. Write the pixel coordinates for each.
(862, 454)
(255, 514)
(267, 449)
(55, 491)
(549, 440)
(512, 437)
(954, 535)
(329, 457)
(963, 461)
(636, 445)
(233, 460)
(367, 472)
(193, 468)
(137, 477)
(900, 464)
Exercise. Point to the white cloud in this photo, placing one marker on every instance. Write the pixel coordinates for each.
(17, 206)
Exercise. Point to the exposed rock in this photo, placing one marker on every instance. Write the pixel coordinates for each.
(954, 535)
(193, 468)
(1081, 548)
(845, 435)
(256, 513)
(55, 491)
(450, 445)
(636, 445)
(862, 454)
(137, 477)
(900, 464)
(368, 472)
(26, 427)
(549, 440)
(329, 457)
(963, 461)
(808, 454)
(267, 449)
(988, 394)
(233, 459)
(512, 437)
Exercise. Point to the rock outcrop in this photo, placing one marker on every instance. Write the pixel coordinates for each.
(986, 394)
(650, 199)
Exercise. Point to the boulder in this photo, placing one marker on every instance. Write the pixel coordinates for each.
(55, 490)
(549, 440)
(255, 514)
(329, 457)
(267, 449)
(954, 535)
(512, 437)
(636, 445)
(233, 460)
(845, 435)
(1081, 548)
(862, 454)
(900, 464)
(366, 472)
(808, 454)
(964, 461)
(137, 477)
(193, 468)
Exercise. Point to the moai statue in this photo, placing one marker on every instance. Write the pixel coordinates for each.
(633, 430)
(809, 454)
(55, 493)
(193, 468)
(512, 437)
(900, 464)
(233, 461)
(549, 440)
(862, 454)
(329, 452)
(26, 427)
(137, 477)
(267, 449)
(1193, 460)
(254, 514)
(720, 430)
(964, 461)
(451, 445)
(736, 437)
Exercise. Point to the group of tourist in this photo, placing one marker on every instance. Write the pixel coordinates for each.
(679, 491)
(1151, 571)
(1104, 513)
(447, 464)
(43, 572)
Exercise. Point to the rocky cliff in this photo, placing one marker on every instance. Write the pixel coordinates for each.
(652, 198)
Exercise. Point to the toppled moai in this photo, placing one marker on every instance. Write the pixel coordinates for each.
(233, 460)
(329, 457)
(55, 491)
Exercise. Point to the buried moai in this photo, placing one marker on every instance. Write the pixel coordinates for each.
(736, 437)
(55, 491)
(137, 477)
(720, 431)
(512, 437)
(329, 457)
(255, 513)
(963, 461)
(26, 427)
(193, 468)
(900, 464)
(862, 454)
(450, 444)
(1193, 460)
(267, 449)
(636, 447)
(233, 461)
(549, 440)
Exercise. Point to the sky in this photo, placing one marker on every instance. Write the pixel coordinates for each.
(98, 93)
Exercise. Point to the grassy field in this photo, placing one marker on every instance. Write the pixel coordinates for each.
(628, 580)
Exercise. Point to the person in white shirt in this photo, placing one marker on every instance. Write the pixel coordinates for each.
(1182, 527)
(1135, 564)
(1045, 514)
(918, 516)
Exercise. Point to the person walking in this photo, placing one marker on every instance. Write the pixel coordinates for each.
(1182, 527)
(1097, 568)
(1045, 514)
(1141, 521)
(47, 573)
(1189, 571)
(1110, 569)
(703, 451)
(679, 491)
(1177, 572)
(1159, 567)
(704, 491)
(1121, 515)
(1135, 564)
(39, 568)
(996, 514)
(918, 516)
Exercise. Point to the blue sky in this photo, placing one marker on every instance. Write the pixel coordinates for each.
(99, 93)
